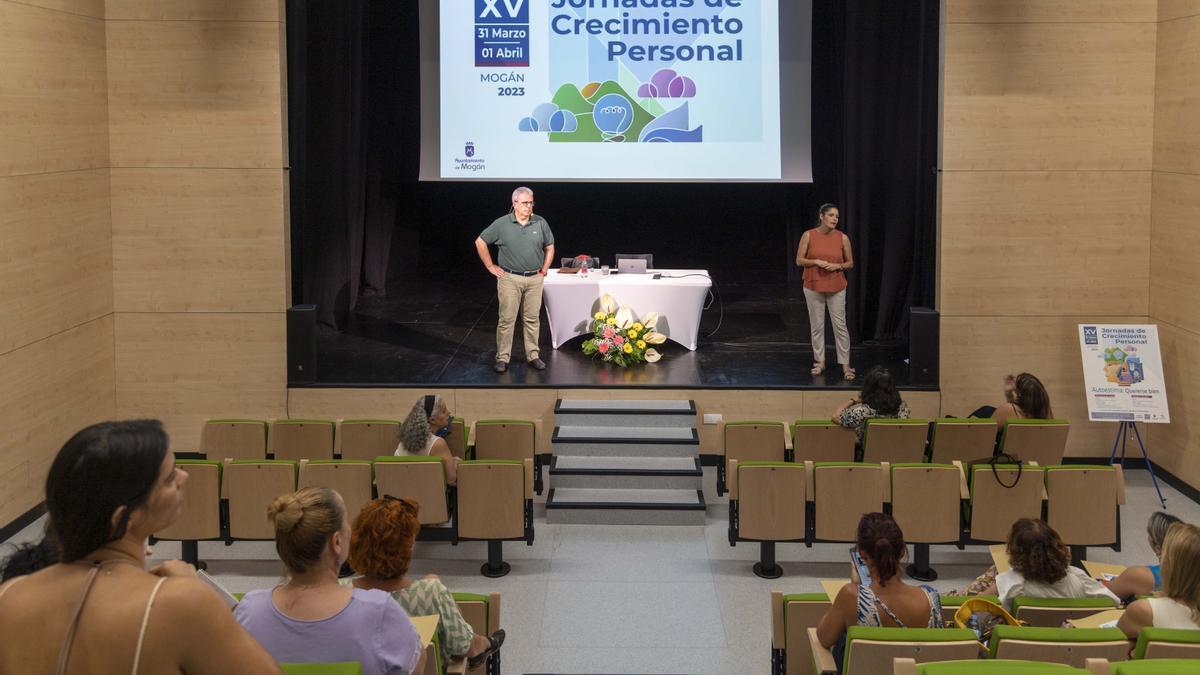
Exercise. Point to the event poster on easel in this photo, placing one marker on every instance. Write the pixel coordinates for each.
(1123, 374)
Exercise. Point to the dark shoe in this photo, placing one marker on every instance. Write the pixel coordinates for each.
(500, 366)
(537, 364)
(496, 639)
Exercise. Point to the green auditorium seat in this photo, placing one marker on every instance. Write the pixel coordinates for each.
(1167, 643)
(870, 650)
(366, 439)
(1052, 612)
(962, 439)
(821, 441)
(895, 440)
(1072, 646)
(751, 441)
(1041, 441)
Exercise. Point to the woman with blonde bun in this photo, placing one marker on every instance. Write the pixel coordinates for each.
(313, 619)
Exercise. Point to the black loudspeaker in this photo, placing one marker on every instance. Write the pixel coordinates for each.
(302, 344)
(923, 340)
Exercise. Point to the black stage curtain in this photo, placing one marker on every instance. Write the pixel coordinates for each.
(358, 209)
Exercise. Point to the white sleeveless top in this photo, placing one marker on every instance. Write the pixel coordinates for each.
(401, 451)
(1170, 613)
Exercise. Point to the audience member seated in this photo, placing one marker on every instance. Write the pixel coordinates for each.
(29, 558)
(381, 547)
(882, 600)
(97, 610)
(1040, 568)
(878, 398)
(313, 619)
(1024, 398)
(1135, 581)
(1178, 604)
(424, 432)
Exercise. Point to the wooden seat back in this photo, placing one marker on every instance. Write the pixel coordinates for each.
(491, 498)
(926, 502)
(895, 440)
(822, 441)
(366, 439)
(962, 440)
(200, 514)
(505, 439)
(841, 493)
(771, 500)
(352, 479)
(1082, 503)
(1041, 441)
(251, 486)
(754, 442)
(418, 477)
(994, 507)
(300, 439)
(234, 439)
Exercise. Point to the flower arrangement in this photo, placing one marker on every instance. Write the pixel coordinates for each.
(618, 338)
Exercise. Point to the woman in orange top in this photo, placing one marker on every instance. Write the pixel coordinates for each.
(824, 253)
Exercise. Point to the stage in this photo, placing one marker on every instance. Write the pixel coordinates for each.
(441, 333)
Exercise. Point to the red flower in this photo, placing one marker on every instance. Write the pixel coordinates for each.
(603, 347)
(609, 332)
(619, 340)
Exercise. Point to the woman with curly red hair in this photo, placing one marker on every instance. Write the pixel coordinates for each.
(381, 543)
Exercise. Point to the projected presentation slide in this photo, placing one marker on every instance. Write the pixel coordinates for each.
(672, 90)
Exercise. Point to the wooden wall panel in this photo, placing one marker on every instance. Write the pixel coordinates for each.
(53, 106)
(186, 368)
(1174, 446)
(1174, 272)
(1055, 11)
(1175, 9)
(977, 352)
(389, 404)
(55, 254)
(1177, 102)
(89, 8)
(195, 94)
(1048, 97)
(189, 240)
(52, 388)
(1045, 243)
(195, 10)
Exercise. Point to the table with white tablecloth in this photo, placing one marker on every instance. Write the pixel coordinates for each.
(678, 296)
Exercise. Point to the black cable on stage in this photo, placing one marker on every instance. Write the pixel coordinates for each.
(711, 297)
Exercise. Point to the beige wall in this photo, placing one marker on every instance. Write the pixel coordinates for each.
(1175, 232)
(56, 300)
(1048, 118)
(198, 201)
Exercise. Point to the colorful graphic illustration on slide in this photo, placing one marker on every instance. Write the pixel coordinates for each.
(605, 112)
(1122, 366)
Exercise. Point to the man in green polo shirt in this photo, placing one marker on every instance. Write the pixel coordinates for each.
(526, 247)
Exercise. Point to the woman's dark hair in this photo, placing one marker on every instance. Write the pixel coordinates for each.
(101, 468)
(879, 391)
(880, 539)
(1157, 528)
(1031, 398)
(1037, 552)
(29, 558)
(825, 208)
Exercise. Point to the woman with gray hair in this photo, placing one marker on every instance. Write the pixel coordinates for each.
(424, 432)
(1144, 580)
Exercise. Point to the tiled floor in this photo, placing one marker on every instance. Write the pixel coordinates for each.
(586, 599)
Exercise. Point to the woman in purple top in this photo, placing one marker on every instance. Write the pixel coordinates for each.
(313, 619)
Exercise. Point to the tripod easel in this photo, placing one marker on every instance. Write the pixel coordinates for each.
(1122, 436)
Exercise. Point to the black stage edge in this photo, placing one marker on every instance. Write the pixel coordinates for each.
(22, 521)
(443, 334)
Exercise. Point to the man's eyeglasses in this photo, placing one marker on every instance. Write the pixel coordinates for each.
(525, 203)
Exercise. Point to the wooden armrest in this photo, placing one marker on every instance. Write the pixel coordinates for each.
(787, 436)
(808, 480)
(537, 436)
(963, 492)
(458, 664)
(778, 638)
(886, 469)
(1097, 666)
(1120, 484)
(528, 478)
(901, 666)
(823, 662)
(731, 480)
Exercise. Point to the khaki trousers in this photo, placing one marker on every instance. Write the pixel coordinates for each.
(836, 302)
(516, 292)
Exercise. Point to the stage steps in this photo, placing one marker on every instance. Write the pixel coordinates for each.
(625, 463)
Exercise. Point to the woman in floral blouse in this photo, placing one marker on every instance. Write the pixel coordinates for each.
(878, 398)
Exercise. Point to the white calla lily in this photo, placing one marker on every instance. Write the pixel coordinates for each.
(650, 320)
(652, 356)
(607, 304)
(654, 338)
(624, 318)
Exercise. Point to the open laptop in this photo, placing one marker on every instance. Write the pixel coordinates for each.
(631, 266)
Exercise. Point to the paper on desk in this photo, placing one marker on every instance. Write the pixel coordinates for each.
(832, 586)
(1099, 619)
(426, 627)
(999, 558)
(1099, 570)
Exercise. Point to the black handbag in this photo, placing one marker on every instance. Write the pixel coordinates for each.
(1002, 458)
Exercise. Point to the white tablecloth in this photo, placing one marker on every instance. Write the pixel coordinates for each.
(571, 300)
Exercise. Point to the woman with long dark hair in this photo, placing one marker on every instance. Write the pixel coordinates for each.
(824, 253)
(878, 398)
(98, 610)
